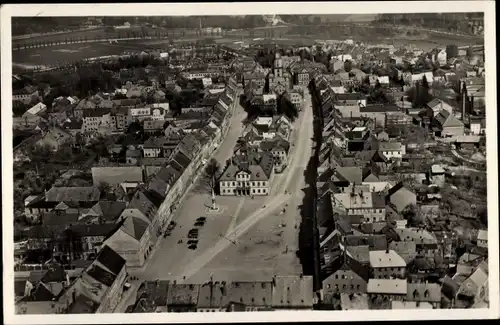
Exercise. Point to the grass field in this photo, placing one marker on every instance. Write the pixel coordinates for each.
(71, 52)
(96, 33)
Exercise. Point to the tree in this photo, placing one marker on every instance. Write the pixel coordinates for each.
(212, 171)
(425, 83)
(347, 66)
(410, 213)
(104, 188)
(287, 108)
(451, 51)
(470, 53)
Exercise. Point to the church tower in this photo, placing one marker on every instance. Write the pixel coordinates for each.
(278, 66)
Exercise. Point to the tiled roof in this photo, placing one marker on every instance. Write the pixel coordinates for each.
(110, 210)
(387, 286)
(117, 175)
(110, 259)
(183, 294)
(72, 194)
(251, 293)
(142, 203)
(135, 227)
(388, 258)
(213, 295)
(293, 291)
(150, 295)
(101, 275)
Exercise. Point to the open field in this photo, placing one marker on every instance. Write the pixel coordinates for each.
(101, 33)
(283, 36)
(71, 52)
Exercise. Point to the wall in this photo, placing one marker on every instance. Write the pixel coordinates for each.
(345, 281)
(114, 294)
(453, 131)
(228, 187)
(388, 272)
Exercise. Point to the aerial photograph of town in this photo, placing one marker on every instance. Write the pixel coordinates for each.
(171, 164)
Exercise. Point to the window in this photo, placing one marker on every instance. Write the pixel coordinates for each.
(336, 276)
(234, 183)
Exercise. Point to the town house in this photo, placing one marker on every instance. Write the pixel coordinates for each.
(383, 291)
(249, 174)
(24, 95)
(424, 292)
(103, 281)
(387, 264)
(143, 208)
(445, 124)
(292, 292)
(279, 150)
(132, 241)
(349, 104)
(345, 274)
(213, 297)
(369, 206)
(296, 99)
(252, 296)
(182, 297)
(392, 149)
(55, 139)
(75, 196)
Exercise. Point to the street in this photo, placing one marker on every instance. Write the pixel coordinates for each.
(169, 255)
(225, 242)
(229, 261)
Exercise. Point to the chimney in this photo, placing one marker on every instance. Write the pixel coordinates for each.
(464, 102)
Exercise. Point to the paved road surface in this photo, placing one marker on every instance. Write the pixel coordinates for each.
(176, 261)
(169, 255)
(300, 157)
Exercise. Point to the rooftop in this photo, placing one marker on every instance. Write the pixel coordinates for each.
(293, 291)
(387, 286)
(387, 258)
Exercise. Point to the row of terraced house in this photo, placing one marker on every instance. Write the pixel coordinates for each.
(98, 238)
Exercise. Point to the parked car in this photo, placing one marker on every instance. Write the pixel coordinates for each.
(193, 246)
(199, 224)
(201, 219)
(192, 235)
(194, 230)
(193, 242)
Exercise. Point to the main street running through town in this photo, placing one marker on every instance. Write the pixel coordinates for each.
(228, 241)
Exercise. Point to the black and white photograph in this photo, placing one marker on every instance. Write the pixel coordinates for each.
(176, 162)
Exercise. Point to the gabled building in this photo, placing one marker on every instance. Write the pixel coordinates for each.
(132, 241)
(387, 264)
(346, 275)
(401, 197)
(292, 292)
(248, 175)
(103, 282)
(445, 124)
